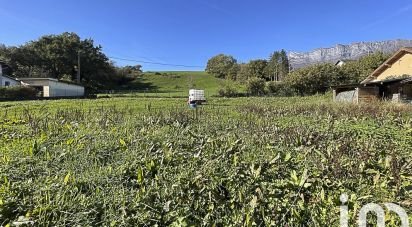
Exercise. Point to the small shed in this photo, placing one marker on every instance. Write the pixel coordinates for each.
(395, 90)
(49, 87)
(392, 81)
(346, 93)
(355, 93)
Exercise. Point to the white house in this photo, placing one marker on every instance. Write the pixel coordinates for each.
(340, 63)
(50, 87)
(6, 81)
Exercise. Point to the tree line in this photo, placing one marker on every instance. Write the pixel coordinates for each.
(226, 67)
(56, 56)
(275, 76)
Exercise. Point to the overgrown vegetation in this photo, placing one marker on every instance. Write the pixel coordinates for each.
(229, 89)
(305, 81)
(241, 162)
(256, 86)
(17, 93)
(279, 89)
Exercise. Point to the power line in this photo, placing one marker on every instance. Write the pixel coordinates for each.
(157, 63)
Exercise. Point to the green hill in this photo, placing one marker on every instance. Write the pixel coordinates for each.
(175, 82)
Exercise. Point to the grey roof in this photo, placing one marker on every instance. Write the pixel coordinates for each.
(40, 78)
(409, 80)
(28, 79)
(346, 86)
(11, 78)
(392, 80)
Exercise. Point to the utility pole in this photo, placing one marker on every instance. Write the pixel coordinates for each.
(78, 67)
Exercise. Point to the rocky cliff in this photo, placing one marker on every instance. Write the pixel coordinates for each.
(352, 52)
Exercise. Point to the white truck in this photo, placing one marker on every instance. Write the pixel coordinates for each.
(196, 96)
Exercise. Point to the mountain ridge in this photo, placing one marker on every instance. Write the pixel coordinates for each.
(351, 51)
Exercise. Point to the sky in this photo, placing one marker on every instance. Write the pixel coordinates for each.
(189, 32)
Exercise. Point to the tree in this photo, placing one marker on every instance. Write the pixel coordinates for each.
(131, 71)
(233, 72)
(253, 69)
(318, 78)
(4, 52)
(256, 86)
(278, 66)
(128, 73)
(257, 68)
(356, 71)
(243, 73)
(56, 56)
(314, 79)
(276, 88)
(221, 65)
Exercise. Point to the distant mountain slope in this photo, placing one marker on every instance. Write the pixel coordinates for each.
(352, 51)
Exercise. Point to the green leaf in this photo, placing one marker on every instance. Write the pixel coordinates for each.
(322, 194)
(123, 143)
(70, 141)
(140, 176)
(288, 156)
(67, 178)
(294, 177)
(304, 177)
(307, 185)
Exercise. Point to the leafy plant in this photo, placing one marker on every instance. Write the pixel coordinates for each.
(237, 162)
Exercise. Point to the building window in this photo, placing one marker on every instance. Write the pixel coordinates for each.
(7, 83)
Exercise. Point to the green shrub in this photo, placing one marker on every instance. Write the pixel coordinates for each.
(17, 93)
(279, 89)
(256, 86)
(228, 89)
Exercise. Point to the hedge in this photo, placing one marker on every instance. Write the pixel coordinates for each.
(17, 93)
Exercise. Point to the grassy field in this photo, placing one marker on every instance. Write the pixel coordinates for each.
(173, 84)
(233, 162)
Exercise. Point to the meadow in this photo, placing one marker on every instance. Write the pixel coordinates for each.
(169, 84)
(233, 162)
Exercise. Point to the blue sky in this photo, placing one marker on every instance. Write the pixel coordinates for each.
(189, 32)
